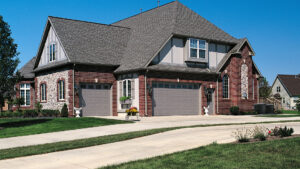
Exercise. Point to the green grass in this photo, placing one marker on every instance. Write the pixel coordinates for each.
(21, 127)
(279, 115)
(80, 143)
(290, 112)
(268, 154)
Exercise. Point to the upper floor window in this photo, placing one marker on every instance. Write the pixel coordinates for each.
(197, 48)
(52, 52)
(61, 90)
(278, 89)
(225, 85)
(43, 90)
(127, 88)
(25, 93)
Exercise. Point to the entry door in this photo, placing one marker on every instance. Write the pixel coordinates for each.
(210, 102)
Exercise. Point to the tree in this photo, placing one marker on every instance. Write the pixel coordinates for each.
(264, 88)
(8, 61)
(298, 104)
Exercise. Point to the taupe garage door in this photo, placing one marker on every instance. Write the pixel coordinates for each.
(95, 99)
(175, 99)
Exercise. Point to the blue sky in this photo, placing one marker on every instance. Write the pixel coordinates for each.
(272, 26)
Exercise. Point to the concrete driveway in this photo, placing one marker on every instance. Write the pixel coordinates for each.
(145, 124)
(134, 149)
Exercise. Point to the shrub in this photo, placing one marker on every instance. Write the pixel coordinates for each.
(50, 113)
(38, 107)
(235, 110)
(123, 98)
(260, 133)
(242, 135)
(18, 102)
(64, 111)
(285, 132)
(30, 113)
(278, 111)
(282, 132)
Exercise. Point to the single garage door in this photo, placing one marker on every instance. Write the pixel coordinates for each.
(95, 99)
(175, 99)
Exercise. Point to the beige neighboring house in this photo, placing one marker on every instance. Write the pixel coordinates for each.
(288, 87)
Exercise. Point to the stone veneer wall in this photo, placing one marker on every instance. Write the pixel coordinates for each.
(51, 79)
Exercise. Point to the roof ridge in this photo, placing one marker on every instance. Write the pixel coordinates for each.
(144, 11)
(76, 20)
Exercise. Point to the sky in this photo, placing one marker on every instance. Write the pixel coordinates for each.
(271, 26)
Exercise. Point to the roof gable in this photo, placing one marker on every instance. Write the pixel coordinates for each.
(291, 83)
(152, 29)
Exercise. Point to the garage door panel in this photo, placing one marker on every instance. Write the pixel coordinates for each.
(95, 100)
(175, 101)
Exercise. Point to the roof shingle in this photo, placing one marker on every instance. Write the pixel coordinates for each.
(291, 83)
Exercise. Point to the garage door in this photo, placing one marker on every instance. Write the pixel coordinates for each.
(175, 99)
(95, 99)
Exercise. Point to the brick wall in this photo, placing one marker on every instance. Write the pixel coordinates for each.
(32, 94)
(165, 77)
(85, 74)
(233, 69)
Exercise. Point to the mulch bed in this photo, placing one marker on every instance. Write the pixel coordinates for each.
(269, 138)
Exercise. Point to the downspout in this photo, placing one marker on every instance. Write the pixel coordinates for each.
(146, 104)
(217, 94)
(73, 88)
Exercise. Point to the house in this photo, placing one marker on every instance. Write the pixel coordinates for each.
(165, 61)
(288, 88)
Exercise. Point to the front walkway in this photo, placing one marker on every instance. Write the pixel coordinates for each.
(145, 124)
(134, 149)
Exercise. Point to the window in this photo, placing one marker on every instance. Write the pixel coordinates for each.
(225, 85)
(127, 88)
(52, 52)
(25, 93)
(61, 90)
(278, 89)
(43, 92)
(197, 48)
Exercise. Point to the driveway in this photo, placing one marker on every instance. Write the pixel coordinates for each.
(145, 124)
(134, 149)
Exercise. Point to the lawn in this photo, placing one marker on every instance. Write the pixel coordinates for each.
(21, 127)
(285, 113)
(269, 154)
(88, 142)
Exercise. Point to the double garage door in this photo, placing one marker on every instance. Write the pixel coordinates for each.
(175, 99)
(95, 99)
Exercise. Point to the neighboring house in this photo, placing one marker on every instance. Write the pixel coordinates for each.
(288, 87)
(168, 60)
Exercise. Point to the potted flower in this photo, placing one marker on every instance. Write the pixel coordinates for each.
(125, 100)
(132, 111)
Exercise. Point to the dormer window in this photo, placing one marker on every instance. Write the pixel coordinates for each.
(52, 52)
(197, 49)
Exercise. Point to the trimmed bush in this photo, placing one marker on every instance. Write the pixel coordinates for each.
(64, 111)
(50, 113)
(30, 113)
(235, 110)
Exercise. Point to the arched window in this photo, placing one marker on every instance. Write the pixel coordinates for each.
(225, 86)
(61, 90)
(244, 81)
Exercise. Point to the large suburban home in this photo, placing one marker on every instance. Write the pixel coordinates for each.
(287, 87)
(165, 61)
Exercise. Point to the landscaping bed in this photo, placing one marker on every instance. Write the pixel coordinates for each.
(276, 154)
(12, 127)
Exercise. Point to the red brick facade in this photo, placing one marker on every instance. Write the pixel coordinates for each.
(32, 94)
(91, 75)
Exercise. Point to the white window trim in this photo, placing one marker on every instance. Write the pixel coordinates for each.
(228, 90)
(54, 52)
(61, 93)
(198, 48)
(126, 90)
(25, 88)
(43, 90)
(278, 89)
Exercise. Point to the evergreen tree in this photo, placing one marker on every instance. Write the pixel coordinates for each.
(8, 62)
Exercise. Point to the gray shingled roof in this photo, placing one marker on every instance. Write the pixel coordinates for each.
(291, 83)
(86, 42)
(152, 29)
(27, 70)
(180, 68)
